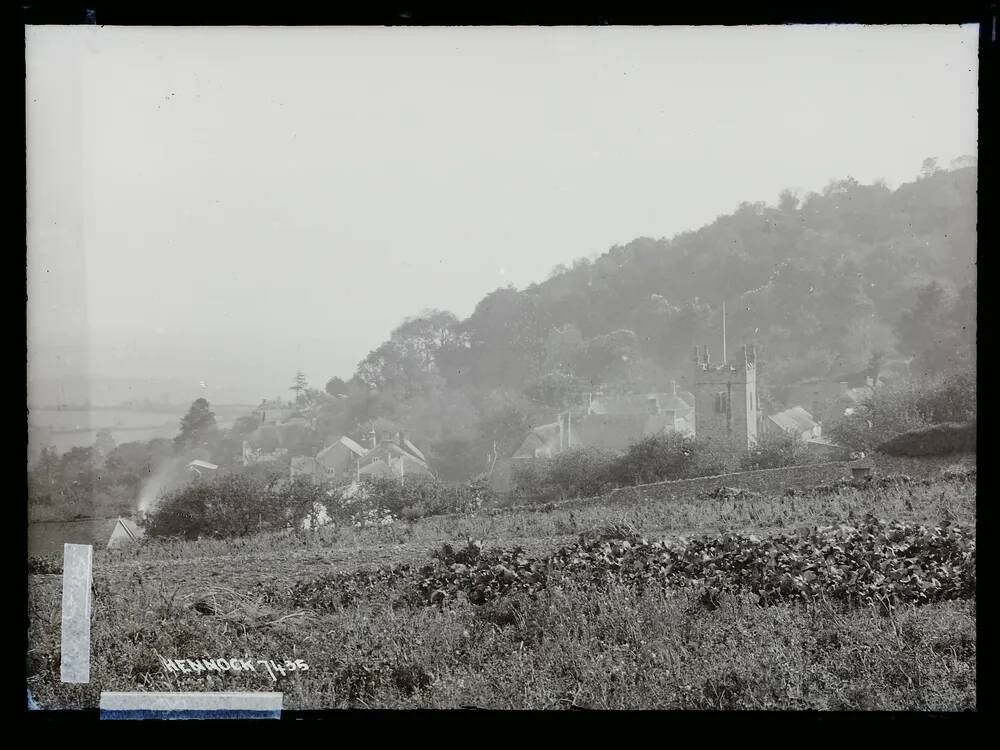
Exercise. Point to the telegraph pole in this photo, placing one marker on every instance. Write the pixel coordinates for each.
(724, 360)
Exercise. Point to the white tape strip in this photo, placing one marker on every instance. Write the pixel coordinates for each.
(75, 658)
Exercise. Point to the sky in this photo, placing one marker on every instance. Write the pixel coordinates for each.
(210, 210)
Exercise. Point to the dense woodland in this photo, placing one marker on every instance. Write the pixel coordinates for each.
(823, 285)
(826, 284)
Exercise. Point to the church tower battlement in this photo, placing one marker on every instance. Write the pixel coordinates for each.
(726, 400)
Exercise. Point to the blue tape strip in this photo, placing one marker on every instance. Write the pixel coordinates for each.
(191, 705)
(142, 714)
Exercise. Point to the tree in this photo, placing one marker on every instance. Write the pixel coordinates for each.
(425, 335)
(602, 358)
(245, 426)
(104, 444)
(197, 427)
(929, 166)
(788, 201)
(336, 387)
(915, 326)
(299, 386)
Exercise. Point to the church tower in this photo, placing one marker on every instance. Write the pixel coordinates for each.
(726, 400)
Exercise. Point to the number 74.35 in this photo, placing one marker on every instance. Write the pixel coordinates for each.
(275, 668)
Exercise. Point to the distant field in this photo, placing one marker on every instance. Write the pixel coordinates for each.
(370, 642)
(65, 429)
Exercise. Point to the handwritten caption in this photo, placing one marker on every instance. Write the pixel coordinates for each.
(198, 666)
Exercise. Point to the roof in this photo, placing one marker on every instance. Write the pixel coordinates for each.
(681, 402)
(377, 469)
(46, 538)
(613, 432)
(342, 442)
(381, 468)
(202, 464)
(824, 441)
(795, 419)
(609, 431)
(413, 449)
(390, 449)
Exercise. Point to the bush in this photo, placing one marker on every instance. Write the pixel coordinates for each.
(581, 472)
(222, 506)
(657, 458)
(897, 409)
(775, 450)
(935, 440)
(383, 497)
(589, 472)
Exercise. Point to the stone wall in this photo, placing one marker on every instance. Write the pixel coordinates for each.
(767, 480)
(764, 480)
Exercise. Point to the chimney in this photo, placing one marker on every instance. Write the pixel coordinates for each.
(706, 357)
(673, 387)
(751, 354)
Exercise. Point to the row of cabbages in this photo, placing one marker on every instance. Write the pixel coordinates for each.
(875, 562)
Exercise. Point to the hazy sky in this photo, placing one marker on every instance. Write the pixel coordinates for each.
(230, 205)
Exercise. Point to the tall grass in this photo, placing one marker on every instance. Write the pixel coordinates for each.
(612, 649)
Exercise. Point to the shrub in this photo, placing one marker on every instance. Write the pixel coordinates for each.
(415, 498)
(935, 440)
(656, 458)
(587, 472)
(896, 409)
(581, 472)
(222, 506)
(775, 450)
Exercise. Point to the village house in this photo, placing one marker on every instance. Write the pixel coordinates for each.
(816, 393)
(827, 398)
(273, 412)
(800, 423)
(341, 459)
(394, 455)
(795, 421)
(272, 439)
(846, 403)
(612, 423)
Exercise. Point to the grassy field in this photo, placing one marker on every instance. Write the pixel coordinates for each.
(370, 642)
